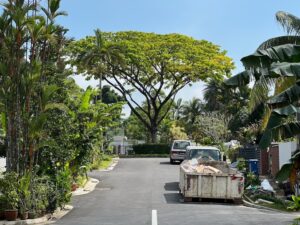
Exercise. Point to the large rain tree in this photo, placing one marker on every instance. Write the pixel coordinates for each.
(150, 65)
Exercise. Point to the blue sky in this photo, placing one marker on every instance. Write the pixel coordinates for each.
(238, 26)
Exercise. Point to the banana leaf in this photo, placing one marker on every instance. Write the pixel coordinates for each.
(85, 100)
(241, 79)
(285, 69)
(281, 40)
(264, 58)
(276, 127)
(284, 173)
(287, 130)
(289, 96)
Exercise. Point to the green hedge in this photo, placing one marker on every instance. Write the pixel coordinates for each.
(146, 149)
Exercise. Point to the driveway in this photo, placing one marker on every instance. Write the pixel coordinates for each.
(138, 188)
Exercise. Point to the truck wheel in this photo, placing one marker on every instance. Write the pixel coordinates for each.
(171, 161)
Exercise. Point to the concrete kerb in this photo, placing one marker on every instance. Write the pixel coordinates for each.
(112, 165)
(252, 205)
(89, 187)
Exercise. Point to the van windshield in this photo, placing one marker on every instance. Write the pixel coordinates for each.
(204, 153)
(181, 145)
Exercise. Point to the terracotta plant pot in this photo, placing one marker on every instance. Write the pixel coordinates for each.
(74, 187)
(11, 214)
(24, 215)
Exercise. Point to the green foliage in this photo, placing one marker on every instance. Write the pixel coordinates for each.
(24, 192)
(9, 186)
(50, 128)
(284, 173)
(42, 194)
(154, 65)
(279, 204)
(109, 96)
(151, 149)
(241, 166)
(63, 187)
(251, 179)
(296, 203)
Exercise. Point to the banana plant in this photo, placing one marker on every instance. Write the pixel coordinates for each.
(275, 65)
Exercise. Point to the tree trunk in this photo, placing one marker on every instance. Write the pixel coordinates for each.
(12, 143)
(153, 135)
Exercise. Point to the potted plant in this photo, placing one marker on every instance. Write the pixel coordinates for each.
(23, 212)
(9, 188)
(32, 214)
(74, 186)
(11, 213)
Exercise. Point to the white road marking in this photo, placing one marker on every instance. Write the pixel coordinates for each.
(154, 217)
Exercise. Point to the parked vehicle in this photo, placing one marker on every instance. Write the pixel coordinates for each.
(178, 150)
(204, 175)
(203, 152)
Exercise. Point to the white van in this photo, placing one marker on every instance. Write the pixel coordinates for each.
(178, 150)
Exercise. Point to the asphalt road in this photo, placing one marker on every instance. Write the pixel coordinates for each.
(128, 194)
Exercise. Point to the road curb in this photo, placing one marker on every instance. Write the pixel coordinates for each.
(252, 205)
(88, 187)
(115, 162)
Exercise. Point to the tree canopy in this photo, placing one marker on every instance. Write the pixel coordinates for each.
(150, 64)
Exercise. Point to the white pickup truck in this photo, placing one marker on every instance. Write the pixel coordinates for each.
(204, 176)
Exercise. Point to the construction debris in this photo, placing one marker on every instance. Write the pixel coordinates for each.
(207, 167)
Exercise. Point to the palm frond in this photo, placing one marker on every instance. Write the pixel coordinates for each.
(289, 22)
(260, 92)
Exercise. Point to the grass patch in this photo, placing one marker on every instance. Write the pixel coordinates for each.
(103, 162)
(81, 180)
(296, 221)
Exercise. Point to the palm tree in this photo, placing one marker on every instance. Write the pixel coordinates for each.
(177, 109)
(28, 46)
(191, 110)
(99, 56)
